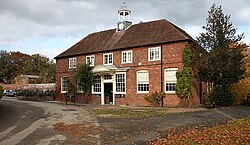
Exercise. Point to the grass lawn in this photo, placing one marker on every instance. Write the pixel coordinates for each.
(137, 112)
(235, 132)
(129, 113)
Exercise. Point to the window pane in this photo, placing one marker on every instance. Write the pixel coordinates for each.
(129, 56)
(157, 53)
(170, 86)
(110, 59)
(151, 54)
(124, 57)
(105, 59)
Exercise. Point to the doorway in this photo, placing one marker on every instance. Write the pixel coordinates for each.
(108, 93)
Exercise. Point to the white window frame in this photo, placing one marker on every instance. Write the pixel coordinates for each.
(62, 81)
(92, 60)
(153, 51)
(170, 77)
(72, 62)
(125, 80)
(129, 56)
(112, 59)
(142, 82)
(93, 92)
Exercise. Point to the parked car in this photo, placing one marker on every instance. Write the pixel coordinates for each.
(11, 93)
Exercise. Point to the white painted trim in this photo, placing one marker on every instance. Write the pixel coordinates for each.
(74, 61)
(90, 56)
(93, 88)
(165, 70)
(102, 92)
(103, 58)
(125, 75)
(127, 57)
(141, 92)
(61, 84)
(154, 49)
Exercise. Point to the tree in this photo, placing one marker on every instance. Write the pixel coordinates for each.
(242, 88)
(223, 64)
(13, 64)
(84, 79)
(219, 31)
(18, 62)
(6, 70)
(41, 66)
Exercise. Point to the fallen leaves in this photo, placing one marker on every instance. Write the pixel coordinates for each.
(74, 129)
(233, 133)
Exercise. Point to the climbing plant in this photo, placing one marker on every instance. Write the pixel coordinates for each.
(184, 78)
(84, 79)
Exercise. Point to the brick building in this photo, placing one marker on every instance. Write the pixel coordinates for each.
(129, 62)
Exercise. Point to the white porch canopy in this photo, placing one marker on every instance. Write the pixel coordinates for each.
(110, 69)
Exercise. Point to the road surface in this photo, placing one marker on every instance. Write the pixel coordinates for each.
(31, 123)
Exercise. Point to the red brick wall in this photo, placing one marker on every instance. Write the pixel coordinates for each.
(171, 58)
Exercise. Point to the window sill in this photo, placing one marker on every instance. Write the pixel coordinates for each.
(170, 93)
(142, 92)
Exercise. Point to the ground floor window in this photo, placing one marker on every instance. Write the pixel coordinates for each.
(97, 85)
(64, 84)
(142, 81)
(170, 80)
(120, 82)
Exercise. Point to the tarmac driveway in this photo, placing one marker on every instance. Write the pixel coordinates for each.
(139, 130)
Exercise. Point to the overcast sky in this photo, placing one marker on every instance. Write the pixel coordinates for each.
(49, 27)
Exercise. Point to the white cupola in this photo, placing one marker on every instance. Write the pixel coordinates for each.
(124, 17)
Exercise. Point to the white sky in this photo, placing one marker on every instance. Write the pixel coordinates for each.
(49, 27)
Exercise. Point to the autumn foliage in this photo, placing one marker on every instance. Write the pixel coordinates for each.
(13, 64)
(242, 88)
(234, 133)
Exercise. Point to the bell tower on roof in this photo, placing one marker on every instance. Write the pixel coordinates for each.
(124, 17)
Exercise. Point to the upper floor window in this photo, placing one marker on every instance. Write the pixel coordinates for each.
(72, 62)
(170, 80)
(142, 81)
(64, 84)
(154, 53)
(127, 56)
(108, 58)
(90, 60)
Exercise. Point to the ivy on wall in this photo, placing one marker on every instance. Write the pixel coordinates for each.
(184, 78)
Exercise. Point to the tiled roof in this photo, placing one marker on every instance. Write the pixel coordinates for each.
(141, 34)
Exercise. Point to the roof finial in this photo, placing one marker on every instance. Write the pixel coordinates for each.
(124, 6)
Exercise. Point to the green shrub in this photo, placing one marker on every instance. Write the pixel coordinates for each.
(155, 98)
(221, 96)
(208, 102)
(1, 91)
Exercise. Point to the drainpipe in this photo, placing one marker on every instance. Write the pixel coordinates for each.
(161, 79)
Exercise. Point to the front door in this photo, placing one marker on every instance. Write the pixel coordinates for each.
(108, 93)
